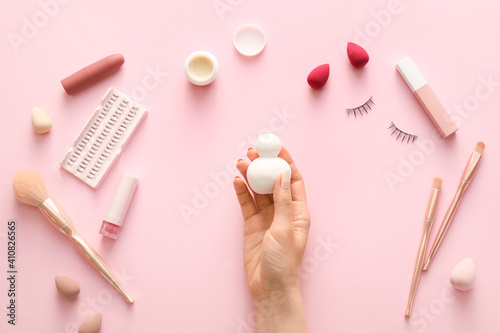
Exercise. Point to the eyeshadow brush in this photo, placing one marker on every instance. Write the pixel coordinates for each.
(470, 170)
(430, 213)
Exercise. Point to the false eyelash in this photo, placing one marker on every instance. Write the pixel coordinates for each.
(362, 108)
(404, 136)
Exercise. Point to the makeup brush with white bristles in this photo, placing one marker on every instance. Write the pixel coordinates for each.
(30, 188)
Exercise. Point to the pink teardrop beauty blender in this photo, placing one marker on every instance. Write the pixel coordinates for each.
(357, 55)
(318, 76)
(463, 275)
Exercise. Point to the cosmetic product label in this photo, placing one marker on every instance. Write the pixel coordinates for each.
(103, 138)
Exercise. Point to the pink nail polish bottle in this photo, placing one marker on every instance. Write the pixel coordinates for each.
(113, 220)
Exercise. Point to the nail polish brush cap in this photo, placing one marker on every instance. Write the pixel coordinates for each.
(121, 200)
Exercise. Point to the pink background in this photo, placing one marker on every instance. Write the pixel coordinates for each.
(185, 270)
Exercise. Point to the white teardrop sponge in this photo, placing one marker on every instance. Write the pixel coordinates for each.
(463, 275)
(41, 121)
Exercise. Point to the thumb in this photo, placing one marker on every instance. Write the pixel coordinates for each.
(283, 199)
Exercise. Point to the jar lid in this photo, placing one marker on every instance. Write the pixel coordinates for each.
(249, 39)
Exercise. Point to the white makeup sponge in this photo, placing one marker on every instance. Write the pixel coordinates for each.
(264, 170)
(41, 121)
(463, 275)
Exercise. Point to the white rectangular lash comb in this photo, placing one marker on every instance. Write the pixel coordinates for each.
(103, 138)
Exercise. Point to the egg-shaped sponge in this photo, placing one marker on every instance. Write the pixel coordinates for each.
(318, 76)
(67, 287)
(357, 55)
(463, 275)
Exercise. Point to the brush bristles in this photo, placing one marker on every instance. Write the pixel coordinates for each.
(30, 187)
(479, 147)
(437, 183)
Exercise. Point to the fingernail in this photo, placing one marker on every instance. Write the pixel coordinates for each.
(249, 149)
(240, 160)
(285, 180)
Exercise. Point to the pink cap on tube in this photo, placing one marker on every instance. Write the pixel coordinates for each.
(92, 73)
(119, 205)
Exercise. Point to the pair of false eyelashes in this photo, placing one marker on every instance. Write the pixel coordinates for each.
(367, 106)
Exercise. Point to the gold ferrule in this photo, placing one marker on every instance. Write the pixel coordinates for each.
(471, 167)
(57, 216)
(430, 213)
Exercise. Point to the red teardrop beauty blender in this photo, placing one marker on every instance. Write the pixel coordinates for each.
(357, 55)
(318, 76)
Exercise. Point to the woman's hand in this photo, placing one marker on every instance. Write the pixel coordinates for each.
(275, 237)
